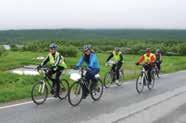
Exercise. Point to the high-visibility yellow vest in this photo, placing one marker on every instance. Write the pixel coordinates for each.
(53, 58)
(147, 58)
(116, 56)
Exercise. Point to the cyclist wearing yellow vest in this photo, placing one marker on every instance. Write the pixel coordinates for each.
(57, 65)
(148, 59)
(117, 56)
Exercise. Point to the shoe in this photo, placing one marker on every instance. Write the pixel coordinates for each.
(117, 82)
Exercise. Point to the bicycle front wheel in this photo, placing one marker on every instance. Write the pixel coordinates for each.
(39, 93)
(96, 90)
(75, 94)
(140, 83)
(121, 78)
(108, 80)
(64, 89)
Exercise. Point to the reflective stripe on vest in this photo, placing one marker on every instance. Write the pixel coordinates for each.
(53, 58)
(116, 56)
(147, 58)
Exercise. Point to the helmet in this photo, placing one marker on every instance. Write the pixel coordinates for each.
(53, 46)
(158, 50)
(87, 47)
(117, 49)
(148, 50)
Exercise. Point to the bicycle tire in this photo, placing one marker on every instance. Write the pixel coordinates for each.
(64, 89)
(34, 96)
(98, 87)
(107, 82)
(71, 93)
(140, 77)
(151, 84)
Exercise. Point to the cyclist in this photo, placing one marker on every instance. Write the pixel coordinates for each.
(93, 67)
(118, 59)
(57, 65)
(148, 59)
(158, 58)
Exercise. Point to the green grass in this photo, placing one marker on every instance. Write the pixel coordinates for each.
(14, 87)
(12, 59)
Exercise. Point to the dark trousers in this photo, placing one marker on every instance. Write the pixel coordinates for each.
(148, 68)
(90, 75)
(116, 68)
(158, 63)
(56, 80)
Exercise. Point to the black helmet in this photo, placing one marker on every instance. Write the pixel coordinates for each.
(87, 47)
(53, 46)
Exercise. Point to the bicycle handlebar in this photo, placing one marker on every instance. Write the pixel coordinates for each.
(44, 69)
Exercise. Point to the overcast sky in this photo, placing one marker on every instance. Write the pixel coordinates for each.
(29, 14)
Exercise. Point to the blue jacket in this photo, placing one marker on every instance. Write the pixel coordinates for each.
(92, 61)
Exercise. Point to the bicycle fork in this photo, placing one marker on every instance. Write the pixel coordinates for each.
(42, 87)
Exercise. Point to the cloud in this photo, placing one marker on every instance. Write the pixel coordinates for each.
(16, 14)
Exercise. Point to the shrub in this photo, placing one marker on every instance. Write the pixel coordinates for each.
(68, 51)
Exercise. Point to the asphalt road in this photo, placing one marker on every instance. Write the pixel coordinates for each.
(176, 116)
(114, 98)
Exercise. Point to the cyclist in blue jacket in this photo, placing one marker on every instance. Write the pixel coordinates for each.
(93, 67)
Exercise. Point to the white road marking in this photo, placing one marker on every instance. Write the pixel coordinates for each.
(125, 112)
(19, 104)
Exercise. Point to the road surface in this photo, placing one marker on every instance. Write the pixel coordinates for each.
(118, 104)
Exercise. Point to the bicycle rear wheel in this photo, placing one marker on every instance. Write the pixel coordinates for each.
(151, 84)
(157, 73)
(39, 93)
(140, 83)
(121, 78)
(108, 80)
(64, 89)
(96, 90)
(75, 94)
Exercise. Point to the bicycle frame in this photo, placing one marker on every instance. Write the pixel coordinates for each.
(82, 79)
(46, 78)
(113, 72)
(144, 73)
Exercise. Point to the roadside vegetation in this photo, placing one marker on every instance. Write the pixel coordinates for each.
(27, 45)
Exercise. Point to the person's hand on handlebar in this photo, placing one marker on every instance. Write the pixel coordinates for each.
(38, 67)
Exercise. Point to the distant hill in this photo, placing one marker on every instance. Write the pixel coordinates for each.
(91, 34)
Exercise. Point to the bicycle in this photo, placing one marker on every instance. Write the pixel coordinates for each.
(143, 80)
(75, 94)
(157, 71)
(40, 89)
(110, 76)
